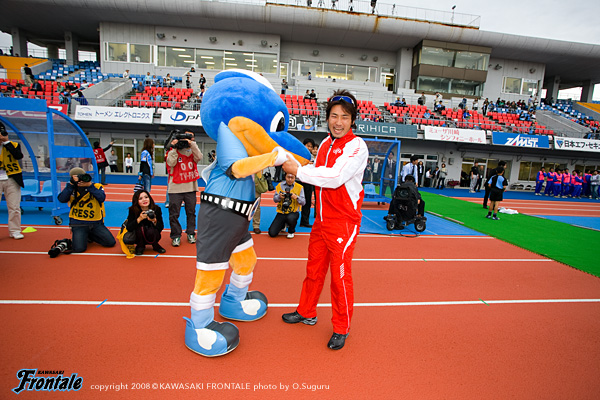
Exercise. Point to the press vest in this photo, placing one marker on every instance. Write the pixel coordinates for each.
(100, 157)
(8, 162)
(186, 170)
(294, 206)
(87, 208)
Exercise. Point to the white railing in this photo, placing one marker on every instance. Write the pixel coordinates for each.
(380, 8)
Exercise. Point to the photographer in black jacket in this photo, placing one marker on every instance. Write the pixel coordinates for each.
(145, 219)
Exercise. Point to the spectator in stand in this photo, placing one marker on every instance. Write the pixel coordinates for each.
(422, 99)
(188, 84)
(145, 219)
(18, 92)
(595, 185)
(36, 86)
(84, 84)
(146, 166)
(112, 161)
(101, 160)
(29, 78)
(427, 115)
(439, 107)
(126, 74)
(154, 81)
(129, 164)
(466, 114)
(309, 76)
(148, 79)
(438, 97)
(284, 86)
(202, 82)
(475, 105)
(307, 95)
(313, 95)
(397, 102)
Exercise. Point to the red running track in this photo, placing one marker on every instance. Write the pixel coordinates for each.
(421, 329)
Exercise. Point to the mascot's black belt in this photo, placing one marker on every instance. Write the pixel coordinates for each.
(240, 207)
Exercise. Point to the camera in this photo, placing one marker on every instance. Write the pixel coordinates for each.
(151, 214)
(60, 246)
(82, 178)
(176, 134)
(286, 202)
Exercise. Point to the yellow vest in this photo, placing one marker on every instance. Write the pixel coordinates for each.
(295, 206)
(7, 161)
(87, 208)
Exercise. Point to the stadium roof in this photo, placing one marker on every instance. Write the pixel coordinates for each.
(575, 63)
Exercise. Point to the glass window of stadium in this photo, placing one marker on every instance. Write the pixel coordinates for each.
(529, 87)
(470, 60)
(209, 59)
(315, 68)
(116, 52)
(180, 57)
(447, 85)
(511, 85)
(140, 53)
(266, 63)
(469, 88)
(337, 71)
(437, 56)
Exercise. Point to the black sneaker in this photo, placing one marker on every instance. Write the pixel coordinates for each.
(139, 251)
(159, 249)
(294, 318)
(337, 341)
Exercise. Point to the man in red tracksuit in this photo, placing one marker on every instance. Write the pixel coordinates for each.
(336, 174)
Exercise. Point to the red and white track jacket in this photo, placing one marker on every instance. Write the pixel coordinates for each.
(337, 175)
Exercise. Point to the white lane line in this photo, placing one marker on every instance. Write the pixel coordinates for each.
(282, 305)
(304, 258)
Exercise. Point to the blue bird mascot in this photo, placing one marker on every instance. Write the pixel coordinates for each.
(248, 120)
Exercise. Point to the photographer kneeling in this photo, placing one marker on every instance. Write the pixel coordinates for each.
(289, 196)
(145, 219)
(86, 217)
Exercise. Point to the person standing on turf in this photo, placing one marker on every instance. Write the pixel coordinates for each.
(497, 184)
(487, 187)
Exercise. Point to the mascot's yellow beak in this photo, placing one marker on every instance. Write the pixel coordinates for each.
(255, 139)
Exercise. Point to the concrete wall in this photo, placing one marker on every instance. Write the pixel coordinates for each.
(511, 69)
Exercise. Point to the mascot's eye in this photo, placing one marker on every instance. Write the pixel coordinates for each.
(278, 122)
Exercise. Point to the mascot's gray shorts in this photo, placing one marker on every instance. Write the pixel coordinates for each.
(220, 233)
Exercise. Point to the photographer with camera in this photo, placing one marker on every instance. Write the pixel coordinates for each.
(289, 196)
(11, 181)
(145, 219)
(86, 217)
(182, 159)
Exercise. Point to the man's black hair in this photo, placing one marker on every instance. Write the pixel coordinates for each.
(499, 170)
(349, 108)
(413, 158)
(309, 140)
(502, 163)
(409, 178)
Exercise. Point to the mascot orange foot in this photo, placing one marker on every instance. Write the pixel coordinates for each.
(248, 120)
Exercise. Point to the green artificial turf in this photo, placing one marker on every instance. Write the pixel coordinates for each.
(577, 247)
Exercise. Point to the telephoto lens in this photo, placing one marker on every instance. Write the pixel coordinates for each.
(84, 178)
(151, 214)
(60, 246)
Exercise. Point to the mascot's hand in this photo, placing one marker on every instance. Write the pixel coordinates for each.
(281, 155)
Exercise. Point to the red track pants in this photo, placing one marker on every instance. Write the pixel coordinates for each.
(330, 244)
